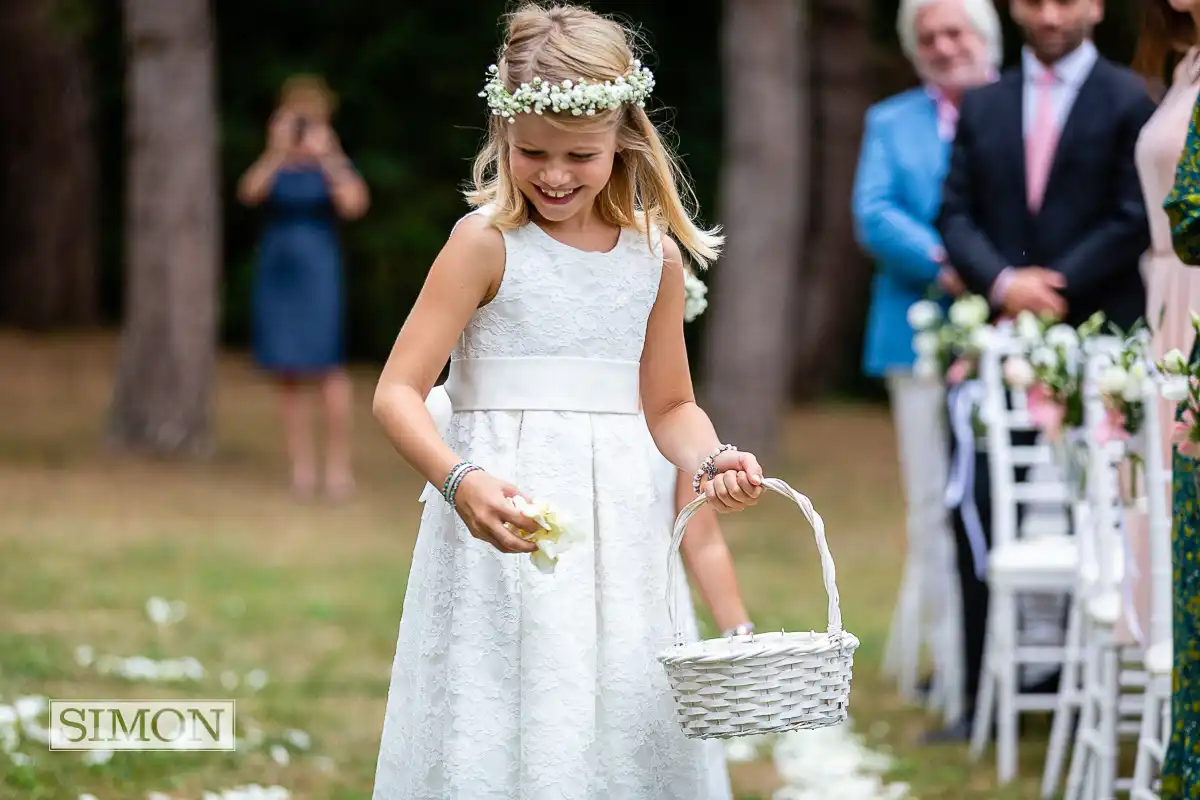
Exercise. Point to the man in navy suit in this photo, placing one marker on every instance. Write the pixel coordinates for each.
(1042, 209)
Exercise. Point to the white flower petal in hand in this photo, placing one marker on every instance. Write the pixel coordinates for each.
(86, 796)
(555, 534)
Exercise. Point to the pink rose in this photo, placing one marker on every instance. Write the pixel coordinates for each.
(1045, 411)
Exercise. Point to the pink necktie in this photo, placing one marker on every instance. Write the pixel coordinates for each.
(1042, 140)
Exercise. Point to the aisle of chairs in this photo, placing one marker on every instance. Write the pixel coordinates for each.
(1115, 684)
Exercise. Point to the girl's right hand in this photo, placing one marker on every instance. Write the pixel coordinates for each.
(482, 502)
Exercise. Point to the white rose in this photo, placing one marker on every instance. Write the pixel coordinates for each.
(925, 369)
(1028, 328)
(1137, 380)
(1062, 336)
(1113, 380)
(923, 314)
(969, 312)
(980, 337)
(1043, 357)
(1018, 372)
(926, 343)
(1174, 361)
(1175, 389)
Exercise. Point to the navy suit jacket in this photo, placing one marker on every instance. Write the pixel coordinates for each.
(1091, 226)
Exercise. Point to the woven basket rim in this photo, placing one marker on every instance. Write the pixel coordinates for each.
(757, 645)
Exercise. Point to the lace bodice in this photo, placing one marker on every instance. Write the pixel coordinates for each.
(556, 300)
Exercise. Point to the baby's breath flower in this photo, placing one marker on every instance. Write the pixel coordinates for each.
(576, 98)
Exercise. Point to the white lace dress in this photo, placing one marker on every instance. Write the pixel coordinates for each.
(510, 684)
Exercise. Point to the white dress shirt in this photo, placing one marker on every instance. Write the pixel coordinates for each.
(1071, 70)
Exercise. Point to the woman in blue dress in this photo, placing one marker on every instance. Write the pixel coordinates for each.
(306, 184)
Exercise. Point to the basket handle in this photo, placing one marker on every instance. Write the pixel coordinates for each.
(814, 519)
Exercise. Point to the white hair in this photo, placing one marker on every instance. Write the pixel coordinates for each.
(981, 13)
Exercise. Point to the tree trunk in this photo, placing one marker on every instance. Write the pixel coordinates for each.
(163, 399)
(762, 198)
(49, 268)
(832, 303)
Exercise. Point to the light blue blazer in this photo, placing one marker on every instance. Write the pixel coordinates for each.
(897, 196)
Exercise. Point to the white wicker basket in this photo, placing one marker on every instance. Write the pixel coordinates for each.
(761, 682)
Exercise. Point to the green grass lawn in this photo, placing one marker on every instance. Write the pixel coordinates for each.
(311, 595)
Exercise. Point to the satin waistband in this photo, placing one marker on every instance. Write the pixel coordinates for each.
(586, 385)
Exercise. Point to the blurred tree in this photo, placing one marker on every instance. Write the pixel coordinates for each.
(763, 195)
(49, 264)
(163, 396)
(833, 274)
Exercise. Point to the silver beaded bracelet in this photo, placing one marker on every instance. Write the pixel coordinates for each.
(745, 629)
(708, 467)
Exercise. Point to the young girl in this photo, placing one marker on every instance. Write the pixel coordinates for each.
(560, 303)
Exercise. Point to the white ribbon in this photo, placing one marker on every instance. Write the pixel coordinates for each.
(1131, 575)
(962, 400)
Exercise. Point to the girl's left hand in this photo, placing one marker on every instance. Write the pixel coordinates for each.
(737, 484)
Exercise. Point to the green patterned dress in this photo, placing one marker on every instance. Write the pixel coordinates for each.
(1181, 772)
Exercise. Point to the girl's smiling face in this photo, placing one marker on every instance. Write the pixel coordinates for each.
(560, 170)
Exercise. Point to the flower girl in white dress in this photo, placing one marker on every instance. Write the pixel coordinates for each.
(527, 672)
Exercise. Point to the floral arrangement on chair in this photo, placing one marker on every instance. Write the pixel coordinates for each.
(1183, 387)
(1052, 373)
(949, 346)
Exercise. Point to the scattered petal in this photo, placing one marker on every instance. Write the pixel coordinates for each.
(297, 738)
(257, 679)
(229, 680)
(97, 757)
(84, 655)
(279, 755)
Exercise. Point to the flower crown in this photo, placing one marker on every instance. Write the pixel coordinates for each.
(579, 98)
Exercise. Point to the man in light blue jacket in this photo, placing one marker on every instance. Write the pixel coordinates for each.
(954, 45)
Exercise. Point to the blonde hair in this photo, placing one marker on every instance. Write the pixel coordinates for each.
(309, 95)
(648, 187)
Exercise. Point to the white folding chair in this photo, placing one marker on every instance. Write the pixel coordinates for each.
(1017, 565)
(1156, 708)
(1093, 772)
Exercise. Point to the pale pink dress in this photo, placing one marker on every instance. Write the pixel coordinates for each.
(1172, 289)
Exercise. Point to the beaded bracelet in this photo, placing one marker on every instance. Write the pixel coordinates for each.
(744, 629)
(708, 467)
(454, 478)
